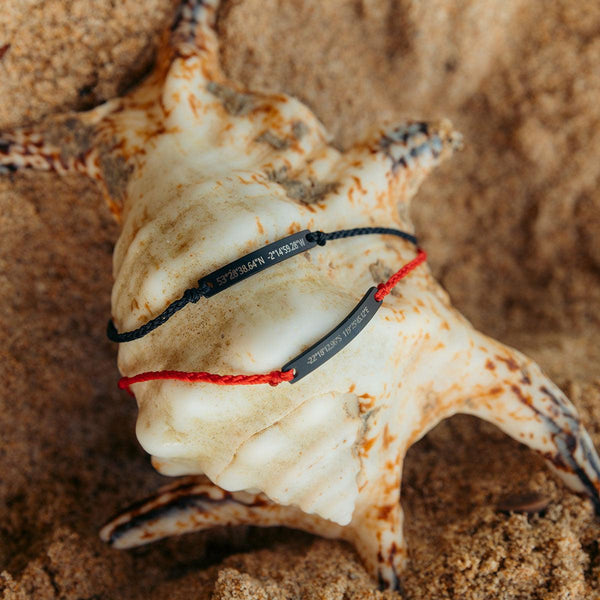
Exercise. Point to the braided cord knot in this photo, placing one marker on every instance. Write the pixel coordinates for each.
(192, 295)
(317, 236)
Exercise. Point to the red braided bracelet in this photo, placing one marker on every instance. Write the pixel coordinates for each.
(383, 289)
(297, 367)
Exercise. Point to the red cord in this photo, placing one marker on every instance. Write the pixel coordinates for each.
(274, 377)
(385, 288)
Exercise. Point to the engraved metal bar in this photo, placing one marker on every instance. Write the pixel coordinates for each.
(256, 261)
(337, 339)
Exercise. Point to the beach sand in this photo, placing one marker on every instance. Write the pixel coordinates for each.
(511, 225)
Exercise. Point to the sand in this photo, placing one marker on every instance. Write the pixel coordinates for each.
(511, 224)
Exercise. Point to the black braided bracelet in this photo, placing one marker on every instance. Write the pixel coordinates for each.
(246, 266)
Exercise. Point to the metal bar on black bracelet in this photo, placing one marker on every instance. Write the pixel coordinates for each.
(246, 266)
(256, 261)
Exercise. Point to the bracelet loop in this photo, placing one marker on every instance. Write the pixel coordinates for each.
(246, 266)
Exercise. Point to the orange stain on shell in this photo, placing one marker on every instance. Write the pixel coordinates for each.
(367, 445)
(195, 105)
(510, 362)
(358, 182)
(259, 226)
(388, 438)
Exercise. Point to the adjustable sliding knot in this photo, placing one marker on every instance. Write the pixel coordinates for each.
(319, 237)
(194, 294)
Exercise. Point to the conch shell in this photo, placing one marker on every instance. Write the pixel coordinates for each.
(201, 173)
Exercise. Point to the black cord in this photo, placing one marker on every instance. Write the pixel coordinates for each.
(193, 295)
(322, 238)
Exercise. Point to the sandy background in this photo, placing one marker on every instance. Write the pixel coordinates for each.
(511, 224)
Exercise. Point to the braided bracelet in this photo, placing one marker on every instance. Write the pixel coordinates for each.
(245, 267)
(320, 352)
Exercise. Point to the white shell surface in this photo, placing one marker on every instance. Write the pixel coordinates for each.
(204, 195)
(201, 200)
